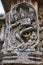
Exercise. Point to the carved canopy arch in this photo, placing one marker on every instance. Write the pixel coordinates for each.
(22, 30)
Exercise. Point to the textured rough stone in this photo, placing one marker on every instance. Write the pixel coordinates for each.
(21, 41)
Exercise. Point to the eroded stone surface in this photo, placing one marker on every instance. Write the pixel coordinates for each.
(22, 35)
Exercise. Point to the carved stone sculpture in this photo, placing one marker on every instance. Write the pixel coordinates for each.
(22, 35)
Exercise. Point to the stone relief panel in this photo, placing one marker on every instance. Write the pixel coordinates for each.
(22, 35)
(22, 27)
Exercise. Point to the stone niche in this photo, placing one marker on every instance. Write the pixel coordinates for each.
(21, 43)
